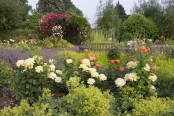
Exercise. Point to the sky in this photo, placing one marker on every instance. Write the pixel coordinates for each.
(88, 7)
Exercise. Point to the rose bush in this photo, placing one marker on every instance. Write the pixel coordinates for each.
(33, 75)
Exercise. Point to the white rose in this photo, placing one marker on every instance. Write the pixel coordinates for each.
(120, 82)
(58, 79)
(59, 72)
(147, 67)
(86, 62)
(131, 64)
(39, 69)
(52, 75)
(20, 63)
(95, 74)
(152, 77)
(69, 61)
(102, 77)
(52, 67)
(91, 81)
(133, 77)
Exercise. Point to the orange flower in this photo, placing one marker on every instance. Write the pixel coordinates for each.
(97, 65)
(143, 48)
(115, 61)
(81, 60)
(121, 69)
(91, 57)
(85, 50)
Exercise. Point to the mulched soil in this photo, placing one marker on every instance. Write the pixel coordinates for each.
(8, 100)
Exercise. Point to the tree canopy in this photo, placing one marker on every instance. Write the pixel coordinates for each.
(56, 6)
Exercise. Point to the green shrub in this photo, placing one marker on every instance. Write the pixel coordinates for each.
(6, 75)
(165, 75)
(113, 53)
(40, 108)
(154, 107)
(88, 101)
(28, 49)
(48, 44)
(26, 33)
(140, 27)
(63, 44)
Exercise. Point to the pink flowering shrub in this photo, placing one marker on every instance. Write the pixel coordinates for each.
(74, 28)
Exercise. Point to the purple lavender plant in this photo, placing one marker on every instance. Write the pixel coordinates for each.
(11, 56)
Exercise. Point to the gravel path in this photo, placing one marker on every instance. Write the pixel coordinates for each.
(50, 53)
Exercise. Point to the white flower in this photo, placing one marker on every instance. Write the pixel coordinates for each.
(95, 74)
(52, 67)
(86, 62)
(29, 63)
(91, 81)
(102, 77)
(153, 87)
(51, 61)
(147, 67)
(11, 40)
(69, 61)
(39, 69)
(126, 77)
(58, 79)
(120, 82)
(152, 77)
(91, 70)
(52, 75)
(59, 72)
(84, 67)
(20, 63)
(131, 64)
(133, 77)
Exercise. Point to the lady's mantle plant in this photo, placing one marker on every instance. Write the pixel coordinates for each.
(34, 75)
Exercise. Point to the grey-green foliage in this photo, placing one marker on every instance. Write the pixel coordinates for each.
(138, 26)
